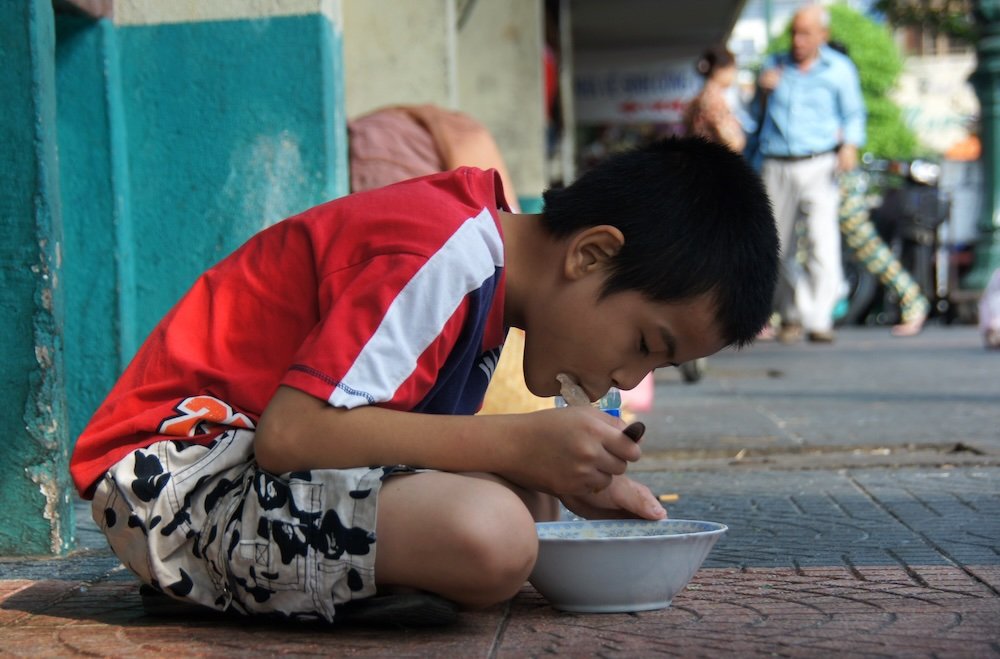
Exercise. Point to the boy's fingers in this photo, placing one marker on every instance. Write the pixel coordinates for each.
(641, 502)
(612, 465)
(623, 449)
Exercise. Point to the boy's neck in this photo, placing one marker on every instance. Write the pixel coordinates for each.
(532, 259)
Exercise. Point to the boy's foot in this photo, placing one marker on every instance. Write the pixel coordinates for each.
(416, 609)
(821, 336)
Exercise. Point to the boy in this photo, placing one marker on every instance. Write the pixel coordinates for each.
(231, 465)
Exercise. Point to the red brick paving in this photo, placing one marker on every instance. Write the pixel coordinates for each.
(815, 612)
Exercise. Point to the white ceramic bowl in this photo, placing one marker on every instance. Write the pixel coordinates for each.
(614, 566)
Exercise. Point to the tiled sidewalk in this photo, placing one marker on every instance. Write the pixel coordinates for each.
(811, 612)
(879, 562)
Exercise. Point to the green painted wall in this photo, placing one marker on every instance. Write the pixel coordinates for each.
(34, 492)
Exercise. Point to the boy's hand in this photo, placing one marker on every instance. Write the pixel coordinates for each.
(624, 498)
(570, 451)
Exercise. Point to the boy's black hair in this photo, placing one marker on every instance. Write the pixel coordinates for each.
(696, 219)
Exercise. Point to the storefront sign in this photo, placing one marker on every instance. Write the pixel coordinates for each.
(632, 89)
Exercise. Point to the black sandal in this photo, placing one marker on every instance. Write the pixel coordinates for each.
(161, 605)
(417, 609)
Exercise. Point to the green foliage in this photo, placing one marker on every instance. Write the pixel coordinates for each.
(879, 64)
(888, 134)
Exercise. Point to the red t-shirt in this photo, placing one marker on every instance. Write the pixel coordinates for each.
(392, 297)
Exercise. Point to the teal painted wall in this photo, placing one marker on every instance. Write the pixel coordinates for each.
(34, 492)
(174, 143)
(206, 133)
(97, 262)
(531, 204)
(230, 127)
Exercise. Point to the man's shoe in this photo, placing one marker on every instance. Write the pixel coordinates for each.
(789, 334)
(821, 336)
(991, 339)
(767, 333)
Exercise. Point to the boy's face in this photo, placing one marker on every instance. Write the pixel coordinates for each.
(613, 341)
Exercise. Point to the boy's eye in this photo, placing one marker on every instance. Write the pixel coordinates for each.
(643, 348)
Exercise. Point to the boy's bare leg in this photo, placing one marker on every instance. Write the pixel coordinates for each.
(543, 507)
(467, 537)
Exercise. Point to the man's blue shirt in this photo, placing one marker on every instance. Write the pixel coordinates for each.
(813, 111)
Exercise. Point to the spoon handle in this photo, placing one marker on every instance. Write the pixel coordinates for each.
(635, 431)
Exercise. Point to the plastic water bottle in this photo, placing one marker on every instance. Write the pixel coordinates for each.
(611, 402)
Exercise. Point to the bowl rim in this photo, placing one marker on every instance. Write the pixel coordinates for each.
(718, 529)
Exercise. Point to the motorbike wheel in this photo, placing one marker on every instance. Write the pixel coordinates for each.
(862, 289)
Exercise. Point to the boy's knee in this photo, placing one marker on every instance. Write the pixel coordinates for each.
(470, 539)
(501, 541)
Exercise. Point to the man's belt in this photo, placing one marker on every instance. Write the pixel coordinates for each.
(807, 156)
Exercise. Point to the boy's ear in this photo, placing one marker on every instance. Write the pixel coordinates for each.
(591, 249)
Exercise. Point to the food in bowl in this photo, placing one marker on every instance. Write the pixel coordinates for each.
(617, 566)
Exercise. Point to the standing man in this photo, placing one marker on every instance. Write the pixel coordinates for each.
(812, 125)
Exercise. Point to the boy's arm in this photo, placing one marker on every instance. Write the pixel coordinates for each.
(558, 451)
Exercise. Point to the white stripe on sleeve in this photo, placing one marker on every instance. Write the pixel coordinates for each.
(418, 314)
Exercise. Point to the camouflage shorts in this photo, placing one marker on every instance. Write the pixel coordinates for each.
(205, 524)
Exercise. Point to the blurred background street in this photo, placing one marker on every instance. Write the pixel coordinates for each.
(144, 140)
